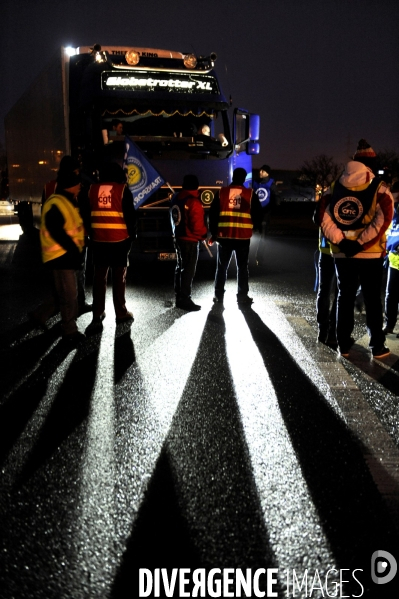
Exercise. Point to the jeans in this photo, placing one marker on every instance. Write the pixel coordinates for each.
(187, 257)
(367, 272)
(326, 313)
(225, 251)
(392, 297)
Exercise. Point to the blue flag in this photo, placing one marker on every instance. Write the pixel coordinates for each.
(142, 178)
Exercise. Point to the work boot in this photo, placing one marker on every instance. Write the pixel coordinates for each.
(244, 300)
(128, 317)
(187, 305)
(218, 299)
(96, 325)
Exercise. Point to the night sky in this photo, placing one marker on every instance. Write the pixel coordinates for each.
(322, 74)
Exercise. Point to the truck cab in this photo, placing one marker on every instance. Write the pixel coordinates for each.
(169, 103)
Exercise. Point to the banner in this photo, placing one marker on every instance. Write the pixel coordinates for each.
(142, 178)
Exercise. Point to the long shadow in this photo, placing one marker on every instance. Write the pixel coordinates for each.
(351, 510)
(18, 358)
(124, 355)
(22, 403)
(69, 409)
(201, 508)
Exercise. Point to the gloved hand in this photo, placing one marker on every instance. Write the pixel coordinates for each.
(350, 247)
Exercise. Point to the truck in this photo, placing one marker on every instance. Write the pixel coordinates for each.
(171, 106)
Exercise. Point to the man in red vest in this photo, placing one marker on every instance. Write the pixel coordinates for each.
(233, 215)
(113, 227)
(188, 219)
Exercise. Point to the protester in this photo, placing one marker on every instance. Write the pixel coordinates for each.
(392, 289)
(112, 229)
(234, 213)
(266, 191)
(188, 222)
(62, 242)
(359, 211)
(50, 307)
(326, 287)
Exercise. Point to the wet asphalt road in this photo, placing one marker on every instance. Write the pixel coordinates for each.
(214, 439)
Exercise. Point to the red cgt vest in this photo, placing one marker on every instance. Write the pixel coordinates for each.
(235, 220)
(107, 221)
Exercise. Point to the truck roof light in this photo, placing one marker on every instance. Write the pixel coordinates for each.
(101, 57)
(69, 51)
(132, 57)
(190, 61)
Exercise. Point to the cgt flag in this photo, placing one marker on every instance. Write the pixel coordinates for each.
(142, 178)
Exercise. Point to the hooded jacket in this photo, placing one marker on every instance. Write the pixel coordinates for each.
(374, 206)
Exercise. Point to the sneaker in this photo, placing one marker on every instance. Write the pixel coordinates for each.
(388, 330)
(244, 300)
(382, 352)
(128, 317)
(188, 305)
(96, 325)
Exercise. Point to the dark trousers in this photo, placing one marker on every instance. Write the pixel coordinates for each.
(367, 272)
(392, 297)
(187, 258)
(81, 281)
(118, 289)
(51, 306)
(67, 294)
(226, 248)
(326, 311)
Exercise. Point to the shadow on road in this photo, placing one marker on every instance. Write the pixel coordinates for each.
(195, 510)
(330, 457)
(69, 409)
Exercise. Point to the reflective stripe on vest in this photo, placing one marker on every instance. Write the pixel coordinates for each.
(235, 220)
(73, 226)
(107, 220)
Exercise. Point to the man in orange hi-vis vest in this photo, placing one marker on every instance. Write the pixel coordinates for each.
(113, 227)
(234, 214)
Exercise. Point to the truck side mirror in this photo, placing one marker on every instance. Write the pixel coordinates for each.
(253, 147)
(254, 128)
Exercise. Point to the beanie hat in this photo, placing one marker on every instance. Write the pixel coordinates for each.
(355, 174)
(67, 179)
(364, 150)
(265, 168)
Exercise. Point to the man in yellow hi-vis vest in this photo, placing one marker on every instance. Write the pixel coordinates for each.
(62, 242)
(233, 215)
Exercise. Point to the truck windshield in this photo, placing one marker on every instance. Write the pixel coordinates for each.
(172, 134)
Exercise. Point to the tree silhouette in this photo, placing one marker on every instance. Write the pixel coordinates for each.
(320, 172)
